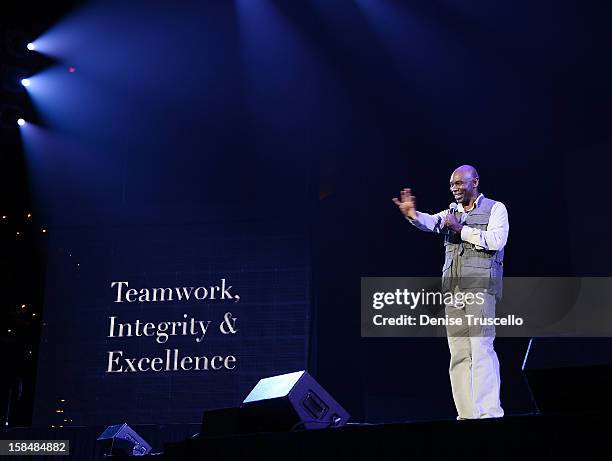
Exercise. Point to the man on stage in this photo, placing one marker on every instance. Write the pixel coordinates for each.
(475, 231)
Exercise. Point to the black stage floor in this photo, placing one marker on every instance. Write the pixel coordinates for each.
(539, 437)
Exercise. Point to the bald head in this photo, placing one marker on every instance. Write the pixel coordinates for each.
(464, 185)
(467, 171)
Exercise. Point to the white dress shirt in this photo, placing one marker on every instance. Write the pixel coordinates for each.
(494, 237)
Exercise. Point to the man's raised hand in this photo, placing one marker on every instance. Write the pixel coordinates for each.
(406, 203)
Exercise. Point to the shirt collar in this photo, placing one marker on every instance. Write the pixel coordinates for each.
(476, 204)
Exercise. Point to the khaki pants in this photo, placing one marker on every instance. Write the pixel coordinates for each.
(474, 367)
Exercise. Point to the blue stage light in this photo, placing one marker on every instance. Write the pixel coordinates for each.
(20, 122)
(25, 82)
(30, 46)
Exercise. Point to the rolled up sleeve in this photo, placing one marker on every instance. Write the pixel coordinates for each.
(496, 234)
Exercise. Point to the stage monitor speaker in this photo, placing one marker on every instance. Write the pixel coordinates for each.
(121, 439)
(569, 375)
(290, 402)
(221, 422)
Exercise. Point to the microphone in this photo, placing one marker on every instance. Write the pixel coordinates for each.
(452, 208)
(440, 225)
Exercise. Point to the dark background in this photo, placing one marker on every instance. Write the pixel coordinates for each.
(326, 109)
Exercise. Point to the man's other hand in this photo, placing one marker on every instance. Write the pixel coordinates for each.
(451, 222)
